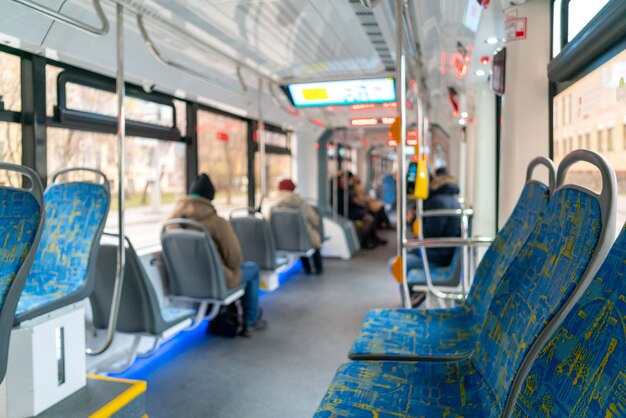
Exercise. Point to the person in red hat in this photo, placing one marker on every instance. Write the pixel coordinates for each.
(288, 198)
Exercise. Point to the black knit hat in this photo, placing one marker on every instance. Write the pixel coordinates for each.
(203, 187)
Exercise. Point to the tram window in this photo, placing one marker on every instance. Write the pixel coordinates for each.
(92, 100)
(597, 109)
(222, 155)
(579, 13)
(278, 167)
(580, 141)
(10, 87)
(155, 175)
(10, 151)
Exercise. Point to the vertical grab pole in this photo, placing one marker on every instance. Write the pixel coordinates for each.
(261, 137)
(121, 137)
(336, 184)
(401, 149)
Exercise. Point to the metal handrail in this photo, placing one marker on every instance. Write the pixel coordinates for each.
(168, 62)
(121, 136)
(446, 212)
(449, 242)
(53, 14)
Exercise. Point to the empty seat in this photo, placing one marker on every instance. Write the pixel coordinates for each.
(21, 224)
(580, 370)
(256, 240)
(290, 232)
(444, 276)
(416, 334)
(194, 267)
(559, 260)
(62, 271)
(139, 310)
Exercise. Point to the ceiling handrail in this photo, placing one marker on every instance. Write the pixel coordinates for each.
(166, 61)
(53, 14)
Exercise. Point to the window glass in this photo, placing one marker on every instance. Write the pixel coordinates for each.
(278, 167)
(579, 13)
(223, 155)
(10, 151)
(598, 106)
(155, 175)
(10, 87)
(556, 28)
(88, 99)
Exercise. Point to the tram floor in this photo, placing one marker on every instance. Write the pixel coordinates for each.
(284, 370)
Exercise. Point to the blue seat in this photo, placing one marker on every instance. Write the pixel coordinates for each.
(445, 276)
(415, 334)
(557, 261)
(21, 217)
(580, 371)
(62, 271)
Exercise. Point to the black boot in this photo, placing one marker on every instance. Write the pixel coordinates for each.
(317, 261)
(306, 265)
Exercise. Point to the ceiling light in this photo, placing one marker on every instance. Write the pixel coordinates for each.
(492, 41)
(480, 73)
(464, 115)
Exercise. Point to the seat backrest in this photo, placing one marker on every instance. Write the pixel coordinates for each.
(555, 262)
(256, 240)
(21, 223)
(289, 228)
(528, 211)
(139, 309)
(63, 269)
(193, 264)
(581, 370)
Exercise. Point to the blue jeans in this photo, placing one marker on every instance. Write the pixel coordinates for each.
(413, 261)
(250, 299)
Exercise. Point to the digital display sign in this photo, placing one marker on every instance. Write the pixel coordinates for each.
(343, 92)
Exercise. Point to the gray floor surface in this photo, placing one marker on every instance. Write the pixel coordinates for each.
(284, 370)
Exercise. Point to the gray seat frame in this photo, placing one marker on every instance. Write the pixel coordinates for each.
(296, 241)
(148, 304)
(187, 289)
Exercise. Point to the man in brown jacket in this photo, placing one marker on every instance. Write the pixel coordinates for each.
(199, 207)
(288, 198)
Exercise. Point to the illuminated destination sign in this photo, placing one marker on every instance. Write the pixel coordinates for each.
(344, 92)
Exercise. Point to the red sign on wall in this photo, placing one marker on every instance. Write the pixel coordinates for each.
(221, 136)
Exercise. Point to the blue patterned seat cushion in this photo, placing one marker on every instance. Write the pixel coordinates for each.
(176, 315)
(386, 389)
(440, 275)
(581, 370)
(538, 283)
(74, 216)
(413, 333)
(19, 222)
(422, 334)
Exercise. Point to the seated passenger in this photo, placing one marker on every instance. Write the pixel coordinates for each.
(376, 207)
(198, 206)
(288, 198)
(443, 191)
(357, 213)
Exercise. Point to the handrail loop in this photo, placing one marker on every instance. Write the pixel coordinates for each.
(53, 14)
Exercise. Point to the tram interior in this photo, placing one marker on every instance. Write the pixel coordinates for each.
(111, 109)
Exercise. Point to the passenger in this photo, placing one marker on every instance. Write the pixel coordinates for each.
(376, 207)
(288, 198)
(198, 206)
(443, 191)
(357, 213)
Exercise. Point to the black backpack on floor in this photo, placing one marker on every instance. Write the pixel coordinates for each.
(229, 322)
